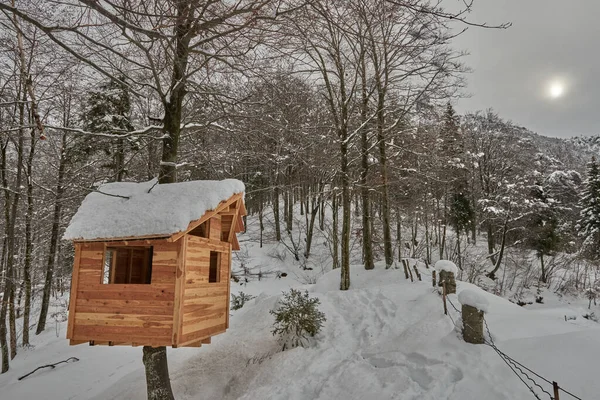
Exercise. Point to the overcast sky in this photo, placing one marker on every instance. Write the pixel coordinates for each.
(550, 41)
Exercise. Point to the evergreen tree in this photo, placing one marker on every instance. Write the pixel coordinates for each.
(543, 233)
(589, 224)
(452, 143)
(460, 210)
(108, 110)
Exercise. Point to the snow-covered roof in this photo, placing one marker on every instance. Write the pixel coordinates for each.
(127, 209)
(446, 265)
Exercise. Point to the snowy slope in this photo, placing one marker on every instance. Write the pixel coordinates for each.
(387, 338)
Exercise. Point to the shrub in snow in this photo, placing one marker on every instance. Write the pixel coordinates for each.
(238, 301)
(297, 319)
(591, 316)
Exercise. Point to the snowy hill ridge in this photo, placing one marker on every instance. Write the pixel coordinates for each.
(588, 144)
(568, 153)
(385, 338)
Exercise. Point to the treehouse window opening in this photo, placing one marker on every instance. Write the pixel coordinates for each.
(215, 267)
(201, 230)
(127, 265)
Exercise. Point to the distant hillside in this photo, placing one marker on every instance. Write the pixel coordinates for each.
(587, 146)
(565, 153)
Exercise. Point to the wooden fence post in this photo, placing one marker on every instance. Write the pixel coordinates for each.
(405, 268)
(410, 272)
(433, 281)
(555, 385)
(417, 272)
(444, 297)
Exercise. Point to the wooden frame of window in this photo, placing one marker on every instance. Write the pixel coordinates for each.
(128, 265)
(214, 271)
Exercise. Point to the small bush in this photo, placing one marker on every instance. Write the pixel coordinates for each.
(297, 319)
(591, 316)
(238, 301)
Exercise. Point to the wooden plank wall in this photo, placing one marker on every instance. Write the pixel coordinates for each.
(126, 313)
(205, 305)
(215, 228)
(226, 223)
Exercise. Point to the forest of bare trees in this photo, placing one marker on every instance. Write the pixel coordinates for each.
(341, 109)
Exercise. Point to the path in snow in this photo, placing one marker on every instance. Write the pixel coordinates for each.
(386, 338)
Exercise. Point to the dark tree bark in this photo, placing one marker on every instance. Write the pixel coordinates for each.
(364, 173)
(311, 224)
(10, 214)
(346, 205)
(334, 231)
(155, 358)
(276, 211)
(7, 282)
(53, 237)
(498, 260)
(158, 383)
(28, 242)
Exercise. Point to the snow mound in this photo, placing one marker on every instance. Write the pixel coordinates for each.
(124, 209)
(446, 265)
(472, 298)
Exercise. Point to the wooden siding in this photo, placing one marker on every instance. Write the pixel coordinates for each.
(127, 313)
(205, 305)
(215, 228)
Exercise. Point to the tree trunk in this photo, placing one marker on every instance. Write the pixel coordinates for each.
(151, 169)
(364, 172)
(399, 233)
(5, 276)
(53, 238)
(346, 204)
(155, 359)
(10, 214)
(290, 221)
(276, 212)
(460, 267)
(335, 230)
(28, 242)
(11, 233)
(286, 216)
(491, 242)
(543, 277)
(322, 211)
(427, 238)
(311, 225)
(385, 207)
(260, 221)
(120, 160)
(497, 263)
(443, 233)
(158, 383)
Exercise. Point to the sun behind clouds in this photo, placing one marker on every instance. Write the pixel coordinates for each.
(556, 89)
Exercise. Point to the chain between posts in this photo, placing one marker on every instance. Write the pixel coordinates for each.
(516, 367)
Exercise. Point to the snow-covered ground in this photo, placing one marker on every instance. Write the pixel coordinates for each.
(386, 338)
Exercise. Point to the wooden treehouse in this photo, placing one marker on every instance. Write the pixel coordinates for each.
(153, 262)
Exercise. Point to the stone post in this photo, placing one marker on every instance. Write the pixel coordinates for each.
(472, 324)
(450, 281)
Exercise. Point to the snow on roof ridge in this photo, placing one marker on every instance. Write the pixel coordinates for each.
(131, 209)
